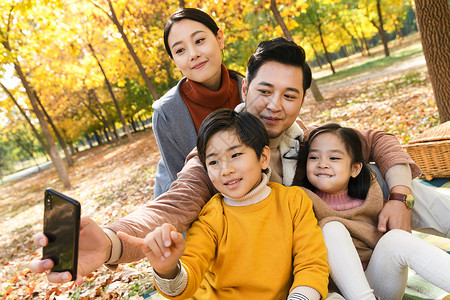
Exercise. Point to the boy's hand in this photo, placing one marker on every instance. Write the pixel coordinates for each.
(163, 248)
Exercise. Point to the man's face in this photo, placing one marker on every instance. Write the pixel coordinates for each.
(275, 96)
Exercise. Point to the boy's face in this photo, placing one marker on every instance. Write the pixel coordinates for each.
(233, 167)
(275, 96)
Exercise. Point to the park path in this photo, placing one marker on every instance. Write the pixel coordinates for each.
(410, 64)
(26, 172)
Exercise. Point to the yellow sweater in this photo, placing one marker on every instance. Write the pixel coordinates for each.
(260, 251)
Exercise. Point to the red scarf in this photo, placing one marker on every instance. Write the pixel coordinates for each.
(201, 101)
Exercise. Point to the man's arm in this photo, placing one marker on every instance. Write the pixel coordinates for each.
(395, 214)
(178, 206)
(385, 150)
(397, 168)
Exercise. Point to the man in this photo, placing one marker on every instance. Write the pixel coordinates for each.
(274, 91)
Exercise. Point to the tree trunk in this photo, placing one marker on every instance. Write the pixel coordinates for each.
(344, 51)
(398, 32)
(57, 161)
(98, 115)
(119, 26)
(61, 141)
(111, 92)
(365, 42)
(133, 125)
(317, 56)
(36, 133)
(105, 132)
(72, 150)
(27, 150)
(433, 19)
(273, 6)
(352, 38)
(143, 124)
(97, 138)
(182, 4)
(380, 29)
(88, 140)
(101, 107)
(327, 55)
(361, 41)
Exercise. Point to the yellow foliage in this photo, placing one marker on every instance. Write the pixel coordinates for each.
(51, 39)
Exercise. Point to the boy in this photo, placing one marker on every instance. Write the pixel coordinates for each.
(254, 239)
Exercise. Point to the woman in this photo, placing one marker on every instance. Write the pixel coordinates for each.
(194, 43)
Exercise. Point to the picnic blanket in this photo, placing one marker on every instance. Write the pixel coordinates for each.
(417, 287)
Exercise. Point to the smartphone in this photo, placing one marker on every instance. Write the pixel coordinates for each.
(62, 228)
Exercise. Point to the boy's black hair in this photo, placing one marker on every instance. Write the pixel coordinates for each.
(282, 51)
(248, 129)
(193, 14)
(358, 187)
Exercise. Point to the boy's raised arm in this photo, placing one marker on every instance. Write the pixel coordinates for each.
(178, 206)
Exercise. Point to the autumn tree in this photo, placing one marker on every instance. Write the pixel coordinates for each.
(25, 116)
(319, 14)
(110, 12)
(12, 39)
(434, 25)
(24, 142)
(374, 14)
(273, 6)
(354, 23)
(111, 92)
(5, 156)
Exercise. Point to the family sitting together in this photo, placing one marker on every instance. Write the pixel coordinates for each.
(273, 209)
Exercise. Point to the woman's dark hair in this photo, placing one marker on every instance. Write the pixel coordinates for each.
(248, 128)
(193, 14)
(358, 187)
(282, 51)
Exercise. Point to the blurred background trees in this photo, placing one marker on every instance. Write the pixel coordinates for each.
(52, 51)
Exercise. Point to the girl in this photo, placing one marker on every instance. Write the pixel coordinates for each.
(194, 43)
(347, 200)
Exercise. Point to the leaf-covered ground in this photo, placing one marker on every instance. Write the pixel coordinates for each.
(402, 104)
(111, 180)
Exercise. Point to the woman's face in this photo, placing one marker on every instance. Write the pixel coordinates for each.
(196, 52)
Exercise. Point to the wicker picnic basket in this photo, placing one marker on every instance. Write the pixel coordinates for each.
(431, 151)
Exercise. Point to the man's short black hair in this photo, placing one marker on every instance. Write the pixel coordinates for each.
(282, 51)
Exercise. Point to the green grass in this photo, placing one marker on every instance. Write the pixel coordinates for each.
(372, 64)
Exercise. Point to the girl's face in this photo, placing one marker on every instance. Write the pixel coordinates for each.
(233, 167)
(197, 52)
(329, 166)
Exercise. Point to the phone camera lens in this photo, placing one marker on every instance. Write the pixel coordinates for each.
(48, 202)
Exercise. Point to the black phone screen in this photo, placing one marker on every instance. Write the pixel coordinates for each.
(61, 226)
